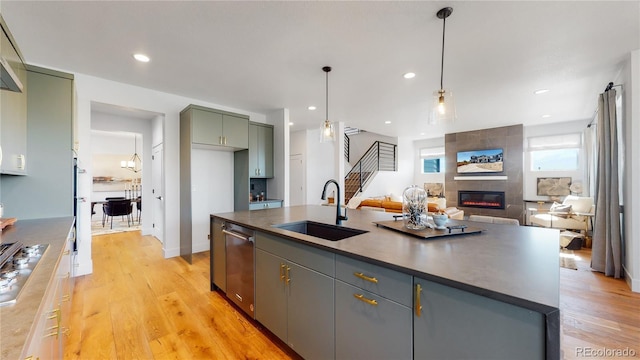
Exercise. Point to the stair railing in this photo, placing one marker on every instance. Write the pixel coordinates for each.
(381, 156)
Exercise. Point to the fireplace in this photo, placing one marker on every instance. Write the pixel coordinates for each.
(481, 199)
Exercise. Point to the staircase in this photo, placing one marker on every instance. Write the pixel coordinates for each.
(381, 156)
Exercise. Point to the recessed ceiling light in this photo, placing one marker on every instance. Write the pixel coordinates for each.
(311, 108)
(421, 134)
(546, 116)
(409, 75)
(290, 123)
(141, 57)
(387, 122)
(541, 91)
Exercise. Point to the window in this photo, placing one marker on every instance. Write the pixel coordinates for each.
(555, 152)
(432, 160)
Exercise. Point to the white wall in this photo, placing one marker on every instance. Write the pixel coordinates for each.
(88, 89)
(631, 83)
(278, 187)
(211, 191)
(320, 165)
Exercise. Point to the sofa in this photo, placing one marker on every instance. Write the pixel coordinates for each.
(388, 204)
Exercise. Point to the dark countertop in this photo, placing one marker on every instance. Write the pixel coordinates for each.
(18, 318)
(513, 264)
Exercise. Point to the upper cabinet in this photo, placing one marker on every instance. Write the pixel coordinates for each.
(13, 105)
(217, 128)
(212, 129)
(260, 150)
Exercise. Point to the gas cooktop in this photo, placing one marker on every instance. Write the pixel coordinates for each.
(17, 262)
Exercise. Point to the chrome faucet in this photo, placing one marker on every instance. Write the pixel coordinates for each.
(339, 217)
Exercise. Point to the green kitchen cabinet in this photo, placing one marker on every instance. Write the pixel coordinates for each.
(218, 256)
(13, 110)
(218, 128)
(295, 295)
(260, 150)
(47, 191)
(373, 311)
(210, 129)
(450, 323)
(263, 205)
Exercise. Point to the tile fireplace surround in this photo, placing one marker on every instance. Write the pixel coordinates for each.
(510, 181)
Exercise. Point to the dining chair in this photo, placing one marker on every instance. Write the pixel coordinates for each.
(120, 207)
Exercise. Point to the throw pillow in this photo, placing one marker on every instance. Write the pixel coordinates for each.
(561, 210)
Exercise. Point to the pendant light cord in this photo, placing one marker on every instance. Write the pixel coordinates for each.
(444, 22)
(327, 97)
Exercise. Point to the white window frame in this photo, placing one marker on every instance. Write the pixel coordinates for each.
(432, 153)
(569, 141)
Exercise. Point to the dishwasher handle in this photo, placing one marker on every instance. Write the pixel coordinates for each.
(237, 235)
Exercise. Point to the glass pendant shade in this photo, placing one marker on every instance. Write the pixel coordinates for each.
(443, 108)
(327, 131)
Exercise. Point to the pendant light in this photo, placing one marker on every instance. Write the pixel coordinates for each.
(327, 129)
(443, 105)
(135, 163)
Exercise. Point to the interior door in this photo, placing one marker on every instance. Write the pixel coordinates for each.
(158, 192)
(296, 180)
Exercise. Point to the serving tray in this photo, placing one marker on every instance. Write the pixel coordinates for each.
(427, 233)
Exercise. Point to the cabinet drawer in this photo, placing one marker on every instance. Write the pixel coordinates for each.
(391, 284)
(368, 330)
(316, 259)
(265, 205)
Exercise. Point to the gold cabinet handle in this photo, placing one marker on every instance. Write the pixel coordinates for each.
(368, 301)
(288, 277)
(66, 297)
(282, 267)
(418, 305)
(67, 252)
(365, 277)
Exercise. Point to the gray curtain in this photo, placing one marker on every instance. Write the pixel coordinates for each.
(606, 255)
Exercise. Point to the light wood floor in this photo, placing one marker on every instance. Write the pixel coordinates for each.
(138, 305)
(597, 312)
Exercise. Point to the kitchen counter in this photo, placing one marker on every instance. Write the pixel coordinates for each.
(512, 264)
(17, 319)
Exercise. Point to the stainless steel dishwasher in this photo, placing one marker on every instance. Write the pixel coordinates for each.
(240, 264)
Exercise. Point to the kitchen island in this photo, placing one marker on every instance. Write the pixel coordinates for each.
(19, 322)
(505, 271)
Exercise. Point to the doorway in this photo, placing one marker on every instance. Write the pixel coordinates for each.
(148, 128)
(296, 180)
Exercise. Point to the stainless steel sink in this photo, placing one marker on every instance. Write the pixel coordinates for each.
(320, 230)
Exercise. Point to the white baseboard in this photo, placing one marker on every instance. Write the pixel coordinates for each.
(634, 284)
(200, 247)
(196, 248)
(172, 252)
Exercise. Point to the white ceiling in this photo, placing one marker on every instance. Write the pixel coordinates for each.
(262, 56)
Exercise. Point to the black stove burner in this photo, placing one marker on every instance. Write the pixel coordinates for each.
(7, 251)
